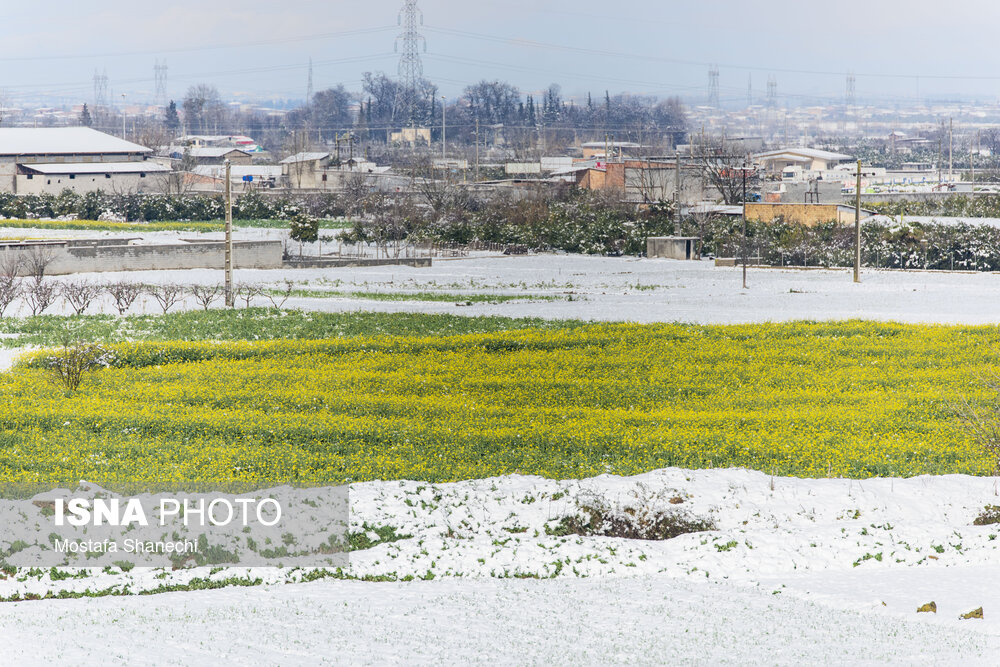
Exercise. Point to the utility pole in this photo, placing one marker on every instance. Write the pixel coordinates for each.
(477, 148)
(972, 167)
(444, 128)
(857, 227)
(677, 188)
(123, 115)
(229, 236)
(940, 143)
(743, 251)
(951, 174)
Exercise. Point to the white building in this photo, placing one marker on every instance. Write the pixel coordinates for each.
(36, 160)
(806, 160)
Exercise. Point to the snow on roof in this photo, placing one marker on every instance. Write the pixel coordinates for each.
(813, 153)
(304, 157)
(62, 141)
(97, 167)
(602, 144)
(214, 151)
(238, 170)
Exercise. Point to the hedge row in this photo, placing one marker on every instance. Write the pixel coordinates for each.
(130, 207)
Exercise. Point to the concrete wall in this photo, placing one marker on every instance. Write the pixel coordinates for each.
(830, 192)
(96, 256)
(672, 247)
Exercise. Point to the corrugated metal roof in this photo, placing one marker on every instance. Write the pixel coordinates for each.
(304, 157)
(62, 141)
(97, 168)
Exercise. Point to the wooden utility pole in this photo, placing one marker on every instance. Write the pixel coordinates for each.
(857, 227)
(229, 237)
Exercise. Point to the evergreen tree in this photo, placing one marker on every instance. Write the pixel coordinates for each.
(171, 119)
(85, 118)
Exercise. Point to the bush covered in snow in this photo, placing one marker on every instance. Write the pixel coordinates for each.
(130, 207)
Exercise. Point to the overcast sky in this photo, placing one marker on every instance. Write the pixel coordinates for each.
(260, 50)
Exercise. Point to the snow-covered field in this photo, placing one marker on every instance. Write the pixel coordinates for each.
(795, 571)
(618, 289)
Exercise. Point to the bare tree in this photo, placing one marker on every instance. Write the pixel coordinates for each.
(124, 293)
(166, 295)
(38, 259)
(10, 284)
(357, 185)
(205, 294)
(247, 291)
(40, 295)
(79, 294)
(272, 297)
(724, 170)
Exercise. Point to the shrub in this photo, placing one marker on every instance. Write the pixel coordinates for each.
(74, 360)
(989, 515)
(643, 518)
(304, 228)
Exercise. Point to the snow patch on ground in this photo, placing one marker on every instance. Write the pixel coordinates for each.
(836, 561)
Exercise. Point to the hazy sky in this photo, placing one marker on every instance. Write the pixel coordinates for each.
(898, 50)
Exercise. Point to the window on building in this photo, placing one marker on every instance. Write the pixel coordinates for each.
(141, 175)
(30, 176)
(107, 175)
(72, 176)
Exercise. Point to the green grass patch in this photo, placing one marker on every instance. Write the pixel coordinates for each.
(446, 297)
(252, 324)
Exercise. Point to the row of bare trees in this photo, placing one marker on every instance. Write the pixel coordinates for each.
(39, 294)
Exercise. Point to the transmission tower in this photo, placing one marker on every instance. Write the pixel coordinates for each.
(850, 90)
(100, 90)
(713, 86)
(160, 72)
(309, 83)
(772, 92)
(410, 68)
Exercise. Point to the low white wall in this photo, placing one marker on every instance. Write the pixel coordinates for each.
(87, 257)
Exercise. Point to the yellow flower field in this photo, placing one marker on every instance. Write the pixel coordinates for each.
(831, 399)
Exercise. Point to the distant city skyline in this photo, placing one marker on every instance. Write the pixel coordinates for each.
(900, 52)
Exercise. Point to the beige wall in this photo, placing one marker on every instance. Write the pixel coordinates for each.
(56, 183)
(806, 214)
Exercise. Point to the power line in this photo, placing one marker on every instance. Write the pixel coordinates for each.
(194, 49)
(700, 63)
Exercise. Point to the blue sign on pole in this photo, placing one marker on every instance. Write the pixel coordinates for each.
(248, 178)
